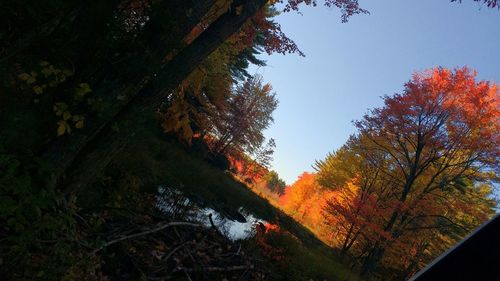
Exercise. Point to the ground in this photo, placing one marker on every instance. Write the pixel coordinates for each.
(152, 159)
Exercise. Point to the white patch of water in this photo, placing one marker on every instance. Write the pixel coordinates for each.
(171, 201)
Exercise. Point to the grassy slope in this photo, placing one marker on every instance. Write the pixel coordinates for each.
(154, 160)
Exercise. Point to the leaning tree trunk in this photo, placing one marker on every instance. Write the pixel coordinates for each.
(62, 151)
(112, 138)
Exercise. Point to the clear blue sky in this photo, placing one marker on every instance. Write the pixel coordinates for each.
(348, 67)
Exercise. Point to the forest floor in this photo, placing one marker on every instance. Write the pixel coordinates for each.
(152, 160)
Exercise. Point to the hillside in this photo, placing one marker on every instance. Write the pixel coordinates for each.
(153, 160)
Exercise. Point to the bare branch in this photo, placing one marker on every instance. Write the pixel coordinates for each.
(144, 233)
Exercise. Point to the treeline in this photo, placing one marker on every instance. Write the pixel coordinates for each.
(80, 79)
(415, 179)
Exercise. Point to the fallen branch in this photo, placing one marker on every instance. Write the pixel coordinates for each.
(175, 250)
(159, 228)
(217, 269)
(213, 224)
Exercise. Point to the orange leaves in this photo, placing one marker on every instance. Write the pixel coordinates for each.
(441, 109)
(297, 195)
(246, 168)
(467, 100)
(416, 166)
(414, 179)
(264, 239)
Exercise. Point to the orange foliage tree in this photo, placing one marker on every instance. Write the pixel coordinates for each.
(303, 200)
(439, 135)
(418, 171)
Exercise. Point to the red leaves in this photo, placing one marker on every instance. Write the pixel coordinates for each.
(445, 107)
(263, 237)
(275, 39)
(347, 7)
(412, 174)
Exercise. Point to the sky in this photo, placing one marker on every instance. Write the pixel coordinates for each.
(349, 66)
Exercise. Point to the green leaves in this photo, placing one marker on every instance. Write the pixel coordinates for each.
(36, 218)
(60, 108)
(66, 115)
(82, 90)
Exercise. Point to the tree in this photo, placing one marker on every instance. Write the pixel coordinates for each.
(110, 136)
(416, 178)
(439, 135)
(439, 225)
(354, 209)
(249, 113)
(275, 183)
(194, 105)
(149, 95)
(299, 197)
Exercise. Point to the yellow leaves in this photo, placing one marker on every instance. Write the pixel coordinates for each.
(79, 125)
(352, 186)
(46, 76)
(28, 78)
(176, 120)
(24, 76)
(56, 75)
(50, 77)
(82, 90)
(63, 128)
(78, 120)
(38, 90)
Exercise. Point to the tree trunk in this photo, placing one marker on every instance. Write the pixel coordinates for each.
(378, 251)
(410, 269)
(372, 259)
(92, 160)
(345, 246)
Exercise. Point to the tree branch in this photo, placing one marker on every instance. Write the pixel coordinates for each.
(144, 233)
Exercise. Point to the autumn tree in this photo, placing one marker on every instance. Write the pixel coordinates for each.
(191, 109)
(301, 198)
(440, 134)
(80, 79)
(354, 209)
(249, 113)
(453, 216)
(275, 183)
(418, 171)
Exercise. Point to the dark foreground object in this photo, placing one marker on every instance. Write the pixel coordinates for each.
(476, 258)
